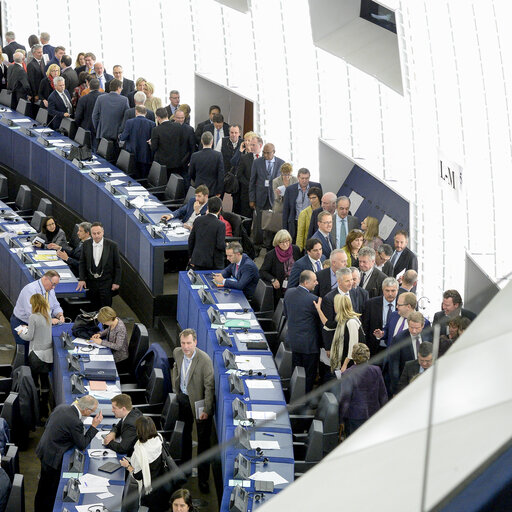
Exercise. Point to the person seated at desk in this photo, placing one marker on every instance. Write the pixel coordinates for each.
(195, 207)
(40, 356)
(114, 336)
(52, 234)
(72, 256)
(5, 490)
(122, 408)
(146, 465)
(241, 274)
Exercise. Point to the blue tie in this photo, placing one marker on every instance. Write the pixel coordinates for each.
(318, 267)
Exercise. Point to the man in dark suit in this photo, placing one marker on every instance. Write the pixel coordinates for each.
(326, 277)
(90, 59)
(17, 81)
(241, 273)
(189, 143)
(128, 86)
(48, 49)
(409, 282)
(85, 109)
(105, 78)
(303, 326)
(167, 143)
(261, 193)
(64, 430)
(193, 208)
(207, 167)
(417, 366)
(295, 200)
(139, 98)
(218, 128)
(403, 258)
(371, 277)
(72, 256)
(311, 261)
(342, 222)
(59, 103)
(124, 429)
(207, 240)
(59, 53)
(136, 133)
(377, 311)
(360, 295)
(227, 146)
(214, 109)
(382, 256)
(193, 381)
(324, 233)
(108, 112)
(35, 70)
(174, 103)
(10, 48)
(100, 268)
(451, 308)
(412, 337)
(328, 204)
(68, 73)
(243, 172)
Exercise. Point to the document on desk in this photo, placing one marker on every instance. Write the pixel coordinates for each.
(241, 483)
(268, 476)
(264, 445)
(82, 341)
(247, 363)
(87, 350)
(115, 182)
(136, 191)
(66, 276)
(229, 305)
(238, 316)
(24, 120)
(102, 357)
(261, 415)
(259, 384)
(251, 336)
(55, 263)
(94, 480)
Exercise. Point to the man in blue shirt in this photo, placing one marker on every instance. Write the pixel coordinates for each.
(22, 310)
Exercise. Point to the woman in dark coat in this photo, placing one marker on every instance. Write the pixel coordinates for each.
(278, 263)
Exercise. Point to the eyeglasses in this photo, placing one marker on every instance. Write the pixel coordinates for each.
(398, 305)
(54, 284)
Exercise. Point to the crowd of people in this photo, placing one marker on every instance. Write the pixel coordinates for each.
(347, 294)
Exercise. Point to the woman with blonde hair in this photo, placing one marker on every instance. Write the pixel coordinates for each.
(152, 102)
(46, 86)
(370, 227)
(40, 349)
(346, 327)
(279, 185)
(114, 336)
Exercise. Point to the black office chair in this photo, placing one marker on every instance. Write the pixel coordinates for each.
(4, 187)
(262, 301)
(166, 420)
(42, 116)
(16, 501)
(176, 441)
(11, 414)
(174, 191)
(5, 98)
(126, 162)
(22, 205)
(106, 150)
(297, 384)
(157, 178)
(11, 461)
(45, 206)
(191, 192)
(152, 398)
(24, 107)
(68, 127)
(83, 137)
(309, 452)
(273, 326)
(283, 360)
(137, 347)
(37, 220)
(18, 358)
(236, 223)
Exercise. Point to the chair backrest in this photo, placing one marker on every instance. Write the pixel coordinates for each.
(24, 107)
(155, 389)
(235, 221)
(37, 219)
(126, 162)
(68, 127)
(263, 299)
(4, 187)
(45, 206)
(170, 412)
(11, 412)
(138, 346)
(191, 192)
(16, 501)
(106, 149)
(5, 98)
(283, 361)
(18, 358)
(157, 176)
(175, 441)
(297, 384)
(278, 316)
(42, 116)
(315, 440)
(328, 413)
(24, 198)
(284, 333)
(83, 137)
(175, 188)
(11, 461)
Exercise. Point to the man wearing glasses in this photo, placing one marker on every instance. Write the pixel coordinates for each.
(22, 310)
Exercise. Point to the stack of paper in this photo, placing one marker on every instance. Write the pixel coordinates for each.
(238, 316)
(249, 363)
(268, 476)
(261, 415)
(251, 336)
(93, 484)
(259, 384)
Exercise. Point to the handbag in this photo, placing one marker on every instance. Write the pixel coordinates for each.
(271, 221)
(231, 183)
(170, 466)
(85, 325)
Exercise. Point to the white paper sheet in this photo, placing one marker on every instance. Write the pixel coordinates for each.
(239, 316)
(116, 182)
(386, 226)
(24, 120)
(264, 445)
(259, 384)
(96, 480)
(86, 489)
(106, 495)
(42, 130)
(254, 336)
(241, 483)
(268, 476)
(58, 263)
(355, 202)
(106, 357)
(229, 305)
(249, 366)
(82, 341)
(261, 415)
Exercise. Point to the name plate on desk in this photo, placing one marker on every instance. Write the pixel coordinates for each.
(27, 131)
(8, 122)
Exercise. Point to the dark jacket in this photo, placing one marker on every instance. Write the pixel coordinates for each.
(167, 144)
(411, 369)
(371, 320)
(246, 279)
(57, 108)
(45, 89)
(110, 263)
(128, 86)
(35, 75)
(301, 264)
(272, 268)
(184, 212)
(130, 114)
(17, 82)
(136, 133)
(125, 429)
(73, 260)
(207, 168)
(407, 260)
(374, 284)
(70, 78)
(84, 110)
(10, 49)
(324, 285)
(207, 242)
(23, 384)
(63, 431)
(289, 207)
(243, 173)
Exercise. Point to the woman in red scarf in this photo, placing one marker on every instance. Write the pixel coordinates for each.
(278, 263)
(46, 86)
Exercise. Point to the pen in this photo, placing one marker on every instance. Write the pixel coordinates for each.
(266, 434)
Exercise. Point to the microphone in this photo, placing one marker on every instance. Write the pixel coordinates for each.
(41, 139)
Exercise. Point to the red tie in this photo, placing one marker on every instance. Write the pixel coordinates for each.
(257, 155)
(236, 270)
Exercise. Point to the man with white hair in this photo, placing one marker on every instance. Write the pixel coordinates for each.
(17, 81)
(326, 277)
(35, 70)
(328, 204)
(48, 49)
(11, 46)
(371, 277)
(59, 103)
(139, 98)
(103, 76)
